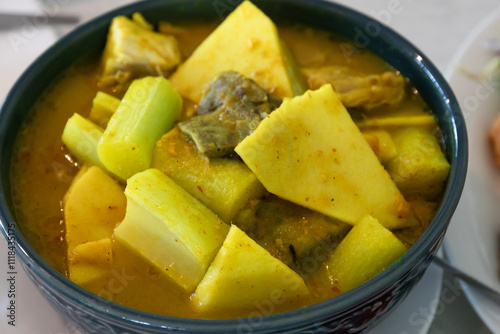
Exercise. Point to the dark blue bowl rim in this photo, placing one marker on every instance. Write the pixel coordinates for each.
(293, 319)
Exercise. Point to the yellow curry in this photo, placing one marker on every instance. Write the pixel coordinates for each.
(194, 172)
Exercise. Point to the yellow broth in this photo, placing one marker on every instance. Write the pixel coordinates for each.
(42, 170)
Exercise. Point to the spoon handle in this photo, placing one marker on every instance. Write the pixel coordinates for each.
(14, 20)
(494, 294)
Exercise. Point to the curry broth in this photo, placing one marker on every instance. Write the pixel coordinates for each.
(42, 170)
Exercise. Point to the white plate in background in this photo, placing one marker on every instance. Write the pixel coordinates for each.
(472, 242)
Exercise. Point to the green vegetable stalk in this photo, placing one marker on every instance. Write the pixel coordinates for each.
(103, 107)
(81, 136)
(146, 112)
(169, 228)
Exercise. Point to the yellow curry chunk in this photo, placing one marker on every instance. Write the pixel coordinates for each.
(90, 261)
(310, 152)
(103, 107)
(420, 167)
(93, 206)
(394, 122)
(134, 50)
(374, 143)
(169, 228)
(82, 136)
(367, 249)
(243, 274)
(386, 149)
(223, 185)
(370, 91)
(246, 42)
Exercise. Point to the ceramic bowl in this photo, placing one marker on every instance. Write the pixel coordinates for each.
(351, 312)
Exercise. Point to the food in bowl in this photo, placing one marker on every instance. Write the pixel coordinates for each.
(268, 168)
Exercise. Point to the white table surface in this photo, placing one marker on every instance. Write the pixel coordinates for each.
(436, 27)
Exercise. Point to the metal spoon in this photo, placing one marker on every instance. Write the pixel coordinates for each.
(490, 292)
(13, 20)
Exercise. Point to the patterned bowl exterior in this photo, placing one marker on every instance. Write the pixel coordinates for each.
(351, 312)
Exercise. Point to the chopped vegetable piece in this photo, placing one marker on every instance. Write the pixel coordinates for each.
(93, 206)
(90, 261)
(369, 91)
(367, 249)
(255, 51)
(291, 233)
(347, 180)
(168, 28)
(169, 228)
(230, 110)
(387, 148)
(146, 112)
(424, 212)
(374, 143)
(82, 136)
(398, 121)
(247, 274)
(138, 19)
(223, 185)
(420, 168)
(133, 50)
(103, 107)
(297, 80)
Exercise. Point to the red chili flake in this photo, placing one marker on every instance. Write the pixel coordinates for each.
(335, 289)
(199, 188)
(334, 149)
(204, 232)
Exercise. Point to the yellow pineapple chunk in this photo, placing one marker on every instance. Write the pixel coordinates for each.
(93, 206)
(247, 274)
(90, 261)
(246, 42)
(310, 152)
(367, 249)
